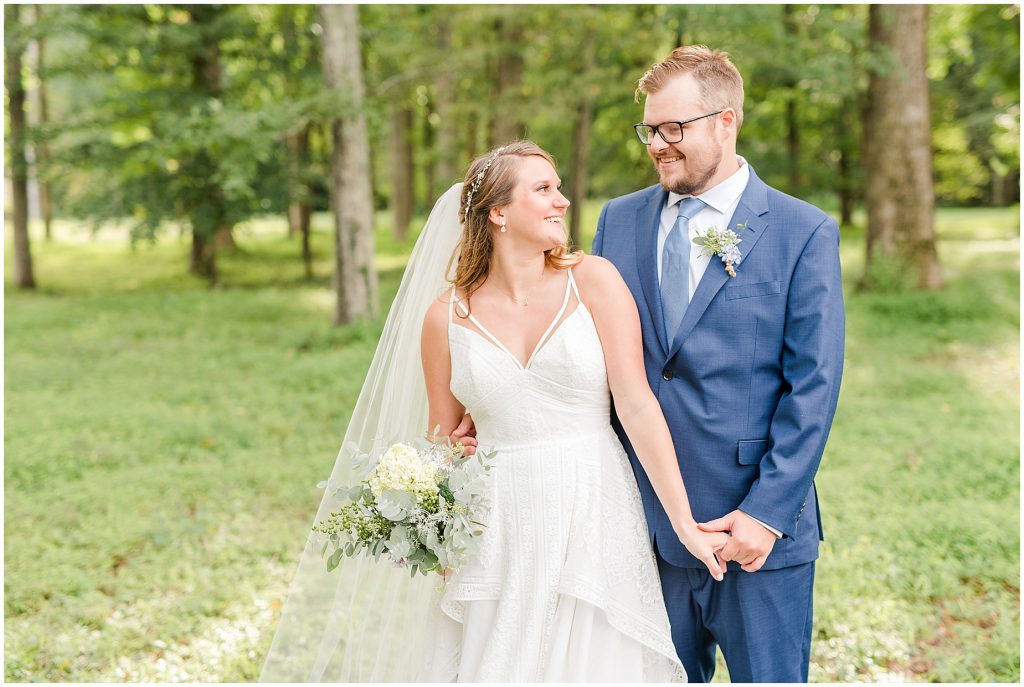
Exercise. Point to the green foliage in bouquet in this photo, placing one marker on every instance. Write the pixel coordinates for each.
(423, 508)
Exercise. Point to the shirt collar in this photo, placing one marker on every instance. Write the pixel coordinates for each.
(727, 192)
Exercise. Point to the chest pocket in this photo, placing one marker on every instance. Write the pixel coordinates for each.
(764, 288)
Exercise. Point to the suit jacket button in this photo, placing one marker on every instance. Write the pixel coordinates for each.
(667, 375)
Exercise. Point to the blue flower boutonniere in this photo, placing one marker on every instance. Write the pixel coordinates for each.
(723, 244)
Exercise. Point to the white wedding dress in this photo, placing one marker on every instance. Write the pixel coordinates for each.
(565, 586)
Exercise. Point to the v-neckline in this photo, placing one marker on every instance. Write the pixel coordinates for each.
(549, 333)
(541, 345)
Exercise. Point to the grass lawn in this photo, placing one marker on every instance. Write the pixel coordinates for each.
(163, 442)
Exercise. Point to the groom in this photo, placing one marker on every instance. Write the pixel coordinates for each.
(746, 368)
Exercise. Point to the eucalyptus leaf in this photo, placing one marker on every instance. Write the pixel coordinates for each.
(395, 505)
(335, 559)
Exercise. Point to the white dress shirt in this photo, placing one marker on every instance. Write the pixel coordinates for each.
(721, 203)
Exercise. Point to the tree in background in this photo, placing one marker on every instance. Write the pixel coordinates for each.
(41, 115)
(897, 149)
(167, 132)
(14, 49)
(355, 278)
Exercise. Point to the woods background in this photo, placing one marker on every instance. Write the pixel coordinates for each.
(208, 209)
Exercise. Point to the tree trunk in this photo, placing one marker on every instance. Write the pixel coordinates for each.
(429, 156)
(581, 131)
(203, 257)
(14, 48)
(298, 187)
(291, 142)
(580, 155)
(42, 147)
(793, 143)
(507, 119)
(446, 146)
(210, 228)
(225, 239)
(355, 279)
(307, 251)
(471, 138)
(897, 147)
(843, 128)
(792, 114)
(401, 170)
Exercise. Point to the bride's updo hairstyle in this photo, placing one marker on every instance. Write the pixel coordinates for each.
(490, 181)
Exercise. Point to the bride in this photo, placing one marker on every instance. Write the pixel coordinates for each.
(535, 342)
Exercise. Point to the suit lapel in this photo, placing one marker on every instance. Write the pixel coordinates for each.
(648, 221)
(751, 214)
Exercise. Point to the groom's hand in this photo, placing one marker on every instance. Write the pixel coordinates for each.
(750, 543)
(466, 433)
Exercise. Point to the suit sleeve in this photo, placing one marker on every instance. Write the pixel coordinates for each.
(598, 244)
(812, 366)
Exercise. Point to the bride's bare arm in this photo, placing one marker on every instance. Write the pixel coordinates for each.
(618, 326)
(445, 409)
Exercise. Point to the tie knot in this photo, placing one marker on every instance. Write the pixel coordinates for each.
(688, 207)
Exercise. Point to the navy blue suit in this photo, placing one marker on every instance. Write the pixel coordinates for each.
(749, 388)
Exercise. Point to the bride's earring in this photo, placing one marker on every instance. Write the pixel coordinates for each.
(503, 229)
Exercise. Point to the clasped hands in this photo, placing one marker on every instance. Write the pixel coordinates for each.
(733, 537)
(749, 542)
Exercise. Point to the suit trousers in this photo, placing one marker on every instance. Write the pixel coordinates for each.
(761, 620)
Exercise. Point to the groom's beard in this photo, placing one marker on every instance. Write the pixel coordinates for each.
(694, 183)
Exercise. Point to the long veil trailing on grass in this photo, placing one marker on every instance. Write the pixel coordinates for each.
(367, 621)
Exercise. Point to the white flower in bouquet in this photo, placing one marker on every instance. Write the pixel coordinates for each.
(401, 469)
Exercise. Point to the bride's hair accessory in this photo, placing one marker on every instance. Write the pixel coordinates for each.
(480, 178)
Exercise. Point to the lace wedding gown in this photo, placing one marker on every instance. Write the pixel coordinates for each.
(565, 586)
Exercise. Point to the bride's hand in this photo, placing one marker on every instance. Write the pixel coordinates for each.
(705, 547)
(465, 433)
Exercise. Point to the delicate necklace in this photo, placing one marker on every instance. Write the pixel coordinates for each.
(520, 300)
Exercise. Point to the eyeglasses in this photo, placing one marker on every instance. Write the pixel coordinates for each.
(670, 132)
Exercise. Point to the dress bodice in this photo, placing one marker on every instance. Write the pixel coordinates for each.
(563, 386)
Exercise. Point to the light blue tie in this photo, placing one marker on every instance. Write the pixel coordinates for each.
(675, 268)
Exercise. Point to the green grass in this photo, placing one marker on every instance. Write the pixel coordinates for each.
(163, 441)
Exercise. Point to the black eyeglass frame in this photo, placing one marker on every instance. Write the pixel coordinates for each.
(656, 129)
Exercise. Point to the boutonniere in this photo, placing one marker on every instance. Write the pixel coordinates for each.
(723, 244)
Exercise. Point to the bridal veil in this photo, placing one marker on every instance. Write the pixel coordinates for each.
(368, 621)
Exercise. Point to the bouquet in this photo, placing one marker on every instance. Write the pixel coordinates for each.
(422, 507)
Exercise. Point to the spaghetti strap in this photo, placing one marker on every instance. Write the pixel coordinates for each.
(451, 305)
(572, 282)
(495, 340)
(555, 322)
(457, 302)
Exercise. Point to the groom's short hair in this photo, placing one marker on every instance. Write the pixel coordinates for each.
(720, 82)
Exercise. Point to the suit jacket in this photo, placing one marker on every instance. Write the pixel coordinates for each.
(750, 383)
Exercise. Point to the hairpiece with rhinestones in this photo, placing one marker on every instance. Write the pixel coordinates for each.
(479, 178)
